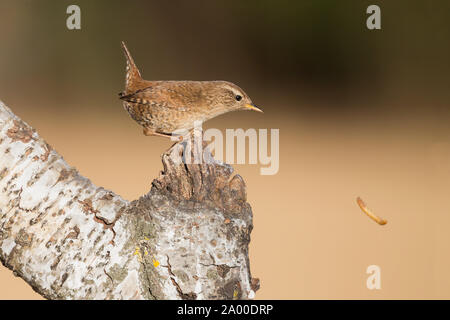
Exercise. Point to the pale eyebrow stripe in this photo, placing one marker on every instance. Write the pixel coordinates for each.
(232, 89)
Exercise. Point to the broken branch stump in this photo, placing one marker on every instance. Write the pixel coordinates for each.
(187, 238)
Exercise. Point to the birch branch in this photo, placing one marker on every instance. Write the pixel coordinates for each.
(69, 239)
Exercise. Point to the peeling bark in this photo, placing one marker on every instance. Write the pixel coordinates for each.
(69, 239)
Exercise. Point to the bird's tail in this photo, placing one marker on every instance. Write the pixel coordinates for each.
(133, 76)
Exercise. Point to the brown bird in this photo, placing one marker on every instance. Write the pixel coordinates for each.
(163, 107)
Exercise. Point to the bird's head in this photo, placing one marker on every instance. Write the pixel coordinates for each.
(229, 97)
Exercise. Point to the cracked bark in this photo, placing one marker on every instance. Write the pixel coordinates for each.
(187, 238)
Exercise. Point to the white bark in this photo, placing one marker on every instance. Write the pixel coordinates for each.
(186, 239)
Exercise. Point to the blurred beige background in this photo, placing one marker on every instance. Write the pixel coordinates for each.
(361, 113)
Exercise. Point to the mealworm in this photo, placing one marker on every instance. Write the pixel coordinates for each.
(371, 215)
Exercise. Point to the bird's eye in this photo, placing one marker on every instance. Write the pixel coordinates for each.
(238, 98)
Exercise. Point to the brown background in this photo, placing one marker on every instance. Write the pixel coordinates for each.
(361, 113)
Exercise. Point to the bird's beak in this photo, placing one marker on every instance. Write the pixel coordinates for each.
(253, 107)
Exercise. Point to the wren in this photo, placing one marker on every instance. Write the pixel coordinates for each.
(165, 107)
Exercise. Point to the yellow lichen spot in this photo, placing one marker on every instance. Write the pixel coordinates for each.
(137, 252)
(235, 293)
(155, 263)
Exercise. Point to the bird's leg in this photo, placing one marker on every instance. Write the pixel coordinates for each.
(150, 132)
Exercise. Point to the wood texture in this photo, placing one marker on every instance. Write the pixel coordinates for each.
(69, 239)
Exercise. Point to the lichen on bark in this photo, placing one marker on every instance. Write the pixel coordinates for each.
(187, 238)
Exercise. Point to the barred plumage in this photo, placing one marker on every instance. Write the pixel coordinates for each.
(164, 107)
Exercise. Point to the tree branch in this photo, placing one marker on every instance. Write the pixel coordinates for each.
(186, 239)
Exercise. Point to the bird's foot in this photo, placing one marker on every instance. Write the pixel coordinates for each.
(150, 132)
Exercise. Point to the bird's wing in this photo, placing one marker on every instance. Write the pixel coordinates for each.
(158, 95)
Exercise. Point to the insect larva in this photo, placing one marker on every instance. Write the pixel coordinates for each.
(371, 215)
